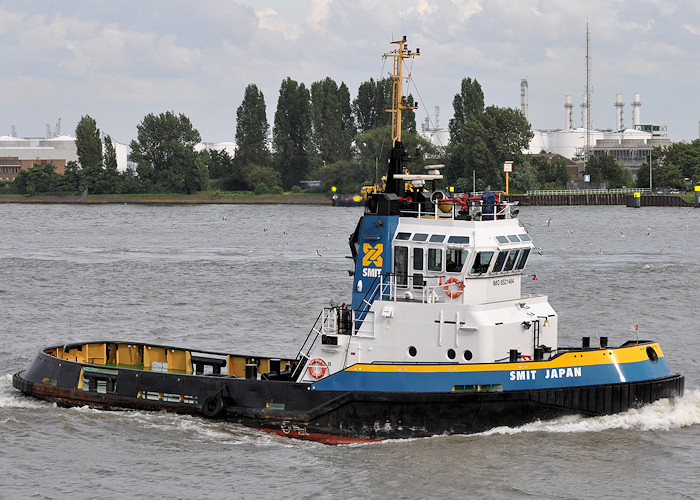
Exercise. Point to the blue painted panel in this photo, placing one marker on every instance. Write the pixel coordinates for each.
(374, 255)
(541, 378)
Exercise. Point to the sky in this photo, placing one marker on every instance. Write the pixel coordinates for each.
(118, 61)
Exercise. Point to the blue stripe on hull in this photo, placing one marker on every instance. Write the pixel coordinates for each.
(541, 378)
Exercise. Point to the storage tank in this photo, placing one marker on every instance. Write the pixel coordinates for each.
(7, 141)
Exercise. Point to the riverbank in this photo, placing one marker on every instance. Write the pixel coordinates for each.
(172, 199)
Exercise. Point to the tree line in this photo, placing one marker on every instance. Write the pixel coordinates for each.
(319, 133)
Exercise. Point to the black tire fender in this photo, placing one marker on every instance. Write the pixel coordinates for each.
(213, 406)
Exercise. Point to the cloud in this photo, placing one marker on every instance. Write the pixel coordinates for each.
(692, 29)
(318, 13)
(269, 19)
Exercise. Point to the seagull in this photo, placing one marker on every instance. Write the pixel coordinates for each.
(284, 232)
(549, 221)
(318, 253)
(264, 229)
(223, 218)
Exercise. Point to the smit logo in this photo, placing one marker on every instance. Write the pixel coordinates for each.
(373, 254)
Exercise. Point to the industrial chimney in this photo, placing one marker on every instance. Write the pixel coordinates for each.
(619, 105)
(524, 98)
(635, 110)
(584, 112)
(568, 113)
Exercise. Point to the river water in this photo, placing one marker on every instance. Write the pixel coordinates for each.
(252, 279)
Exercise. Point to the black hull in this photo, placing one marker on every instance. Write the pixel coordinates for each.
(342, 417)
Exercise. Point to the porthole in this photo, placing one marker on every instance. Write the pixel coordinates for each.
(412, 351)
(653, 357)
(468, 355)
(451, 353)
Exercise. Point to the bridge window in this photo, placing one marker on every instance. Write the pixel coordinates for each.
(511, 260)
(418, 266)
(513, 238)
(455, 260)
(523, 259)
(435, 259)
(401, 265)
(502, 239)
(500, 260)
(525, 237)
(464, 240)
(420, 237)
(403, 236)
(418, 259)
(437, 238)
(481, 263)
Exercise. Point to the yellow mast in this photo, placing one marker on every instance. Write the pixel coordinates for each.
(398, 102)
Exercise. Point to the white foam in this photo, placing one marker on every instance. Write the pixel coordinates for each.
(12, 398)
(665, 414)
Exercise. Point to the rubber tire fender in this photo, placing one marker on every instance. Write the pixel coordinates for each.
(213, 406)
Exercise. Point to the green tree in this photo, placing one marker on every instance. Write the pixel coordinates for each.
(70, 180)
(552, 175)
(408, 116)
(88, 143)
(38, 179)
(605, 168)
(252, 129)
(373, 149)
(89, 148)
(108, 180)
(165, 156)
(527, 174)
(672, 165)
(369, 108)
(332, 121)
(469, 101)
(291, 135)
(484, 142)
(262, 179)
(223, 168)
(341, 174)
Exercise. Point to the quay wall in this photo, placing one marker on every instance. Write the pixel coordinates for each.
(600, 199)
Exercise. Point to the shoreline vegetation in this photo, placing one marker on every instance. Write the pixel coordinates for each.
(213, 197)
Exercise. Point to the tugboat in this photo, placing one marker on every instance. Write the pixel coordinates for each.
(437, 339)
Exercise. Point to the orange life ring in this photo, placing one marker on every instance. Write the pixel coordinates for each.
(460, 287)
(317, 368)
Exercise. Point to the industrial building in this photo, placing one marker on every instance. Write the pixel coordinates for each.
(22, 153)
(629, 146)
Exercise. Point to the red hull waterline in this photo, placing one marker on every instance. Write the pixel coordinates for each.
(318, 437)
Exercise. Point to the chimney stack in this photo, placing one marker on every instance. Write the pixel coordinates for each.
(619, 105)
(568, 112)
(636, 105)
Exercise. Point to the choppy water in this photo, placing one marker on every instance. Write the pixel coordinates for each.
(248, 279)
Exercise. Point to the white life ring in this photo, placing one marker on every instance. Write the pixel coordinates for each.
(317, 368)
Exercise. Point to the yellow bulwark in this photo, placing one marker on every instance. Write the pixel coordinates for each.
(398, 102)
(154, 358)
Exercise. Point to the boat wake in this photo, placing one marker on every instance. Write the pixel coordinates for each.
(664, 415)
(214, 431)
(10, 398)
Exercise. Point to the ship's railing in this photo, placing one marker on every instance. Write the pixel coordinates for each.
(451, 210)
(311, 339)
(402, 288)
